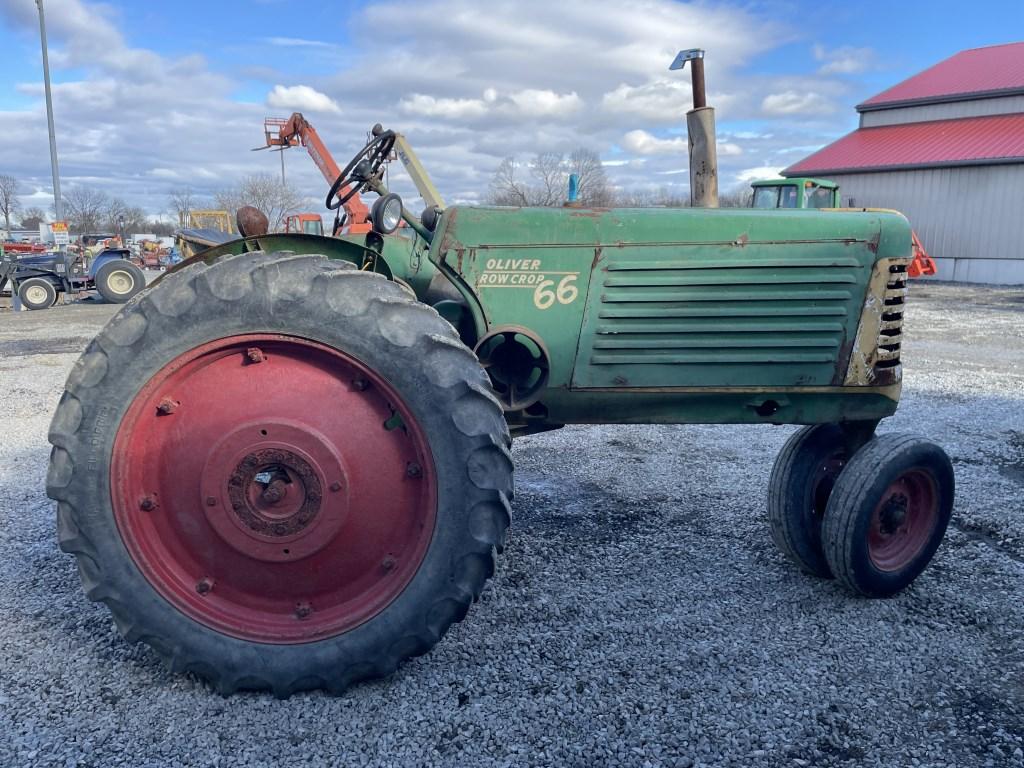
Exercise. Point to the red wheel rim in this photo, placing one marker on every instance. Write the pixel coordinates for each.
(273, 488)
(903, 521)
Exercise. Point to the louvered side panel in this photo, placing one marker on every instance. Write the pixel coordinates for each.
(770, 319)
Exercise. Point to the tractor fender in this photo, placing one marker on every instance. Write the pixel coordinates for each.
(331, 247)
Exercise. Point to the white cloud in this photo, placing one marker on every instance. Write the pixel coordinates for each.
(797, 103)
(660, 101)
(644, 143)
(846, 60)
(429, 106)
(760, 172)
(301, 98)
(297, 42)
(539, 103)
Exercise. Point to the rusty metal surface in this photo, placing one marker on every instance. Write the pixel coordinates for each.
(251, 222)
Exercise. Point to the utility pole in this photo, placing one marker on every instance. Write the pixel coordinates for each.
(58, 202)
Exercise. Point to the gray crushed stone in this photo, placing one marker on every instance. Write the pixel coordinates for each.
(640, 616)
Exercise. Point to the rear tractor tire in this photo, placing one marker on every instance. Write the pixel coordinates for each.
(37, 293)
(281, 473)
(888, 513)
(118, 281)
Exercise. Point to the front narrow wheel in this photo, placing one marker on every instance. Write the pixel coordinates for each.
(37, 293)
(888, 513)
(281, 473)
(798, 491)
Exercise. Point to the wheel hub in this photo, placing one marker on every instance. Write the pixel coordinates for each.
(268, 496)
(893, 514)
(274, 492)
(903, 521)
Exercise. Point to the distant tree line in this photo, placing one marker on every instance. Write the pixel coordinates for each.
(544, 181)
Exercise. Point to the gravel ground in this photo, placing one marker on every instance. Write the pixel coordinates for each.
(641, 615)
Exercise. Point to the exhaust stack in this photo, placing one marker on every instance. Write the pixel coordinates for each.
(700, 127)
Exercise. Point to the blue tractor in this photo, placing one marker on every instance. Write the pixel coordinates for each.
(37, 280)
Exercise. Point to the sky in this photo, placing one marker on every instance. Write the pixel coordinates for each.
(150, 97)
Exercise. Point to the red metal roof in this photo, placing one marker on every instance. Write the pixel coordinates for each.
(991, 71)
(963, 141)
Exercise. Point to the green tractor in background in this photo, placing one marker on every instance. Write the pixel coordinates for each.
(822, 194)
(286, 465)
(797, 192)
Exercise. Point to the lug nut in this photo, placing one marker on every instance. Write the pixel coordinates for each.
(211, 501)
(360, 384)
(413, 469)
(255, 355)
(302, 611)
(167, 406)
(204, 586)
(335, 486)
(147, 504)
(388, 563)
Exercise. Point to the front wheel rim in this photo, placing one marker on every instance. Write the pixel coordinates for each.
(903, 521)
(35, 294)
(272, 488)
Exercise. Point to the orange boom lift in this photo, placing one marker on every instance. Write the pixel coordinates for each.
(296, 131)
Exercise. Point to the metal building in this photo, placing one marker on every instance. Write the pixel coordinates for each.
(945, 147)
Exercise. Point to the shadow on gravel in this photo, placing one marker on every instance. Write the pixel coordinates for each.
(25, 347)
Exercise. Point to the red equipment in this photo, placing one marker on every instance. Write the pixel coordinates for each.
(13, 247)
(296, 131)
(923, 264)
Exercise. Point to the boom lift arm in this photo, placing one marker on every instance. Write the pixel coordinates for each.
(297, 131)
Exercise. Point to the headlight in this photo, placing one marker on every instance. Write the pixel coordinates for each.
(387, 213)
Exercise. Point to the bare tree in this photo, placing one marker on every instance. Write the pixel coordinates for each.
(31, 218)
(180, 202)
(506, 188)
(552, 177)
(124, 218)
(665, 197)
(546, 181)
(265, 192)
(85, 208)
(592, 181)
(738, 199)
(9, 204)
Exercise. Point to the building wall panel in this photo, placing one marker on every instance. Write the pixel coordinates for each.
(970, 214)
(1002, 105)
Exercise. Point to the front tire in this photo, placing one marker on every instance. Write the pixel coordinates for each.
(888, 513)
(801, 482)
(281, 473)
(118, 281)
(37, 293)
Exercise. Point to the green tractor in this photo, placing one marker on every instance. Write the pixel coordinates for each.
(286, 465)
(797, 192)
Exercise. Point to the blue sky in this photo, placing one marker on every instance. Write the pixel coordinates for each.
(155, 95)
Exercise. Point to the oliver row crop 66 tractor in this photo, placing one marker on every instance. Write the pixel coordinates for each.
(286, 465)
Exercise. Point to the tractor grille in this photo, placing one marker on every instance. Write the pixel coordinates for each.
(890, 330)
(768, 320)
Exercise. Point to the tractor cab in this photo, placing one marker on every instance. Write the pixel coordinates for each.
(795, 193)
(304, 224)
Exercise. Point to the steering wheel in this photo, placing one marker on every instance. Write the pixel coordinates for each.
(365, 165)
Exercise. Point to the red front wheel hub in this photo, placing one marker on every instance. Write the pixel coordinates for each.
(903, 521)
(273, 488)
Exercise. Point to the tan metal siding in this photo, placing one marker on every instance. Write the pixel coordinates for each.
(966, 213)
(1003, 105)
